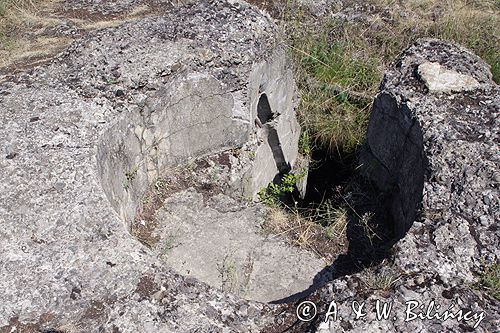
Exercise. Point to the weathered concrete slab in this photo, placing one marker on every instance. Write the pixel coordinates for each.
(436, 157)
(222, 243)
(83, 137)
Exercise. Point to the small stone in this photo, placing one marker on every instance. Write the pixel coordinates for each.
(119, 93)
(59, 186)
(442, 80)
(483, 220)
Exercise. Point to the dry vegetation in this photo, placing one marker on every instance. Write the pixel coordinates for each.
(22, 23)
(340, 61)
(321, 230)
(28, 29)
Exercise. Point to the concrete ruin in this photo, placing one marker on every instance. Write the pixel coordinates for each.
(196, 107)
(86, 136)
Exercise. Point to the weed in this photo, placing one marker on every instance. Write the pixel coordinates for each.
(384, 280)
(335, 221)
(160, 186)
(305, 143)
(310, 228)
(273, 193)
(236, 151)
(291, 223)
(111, 81)
(490, 279)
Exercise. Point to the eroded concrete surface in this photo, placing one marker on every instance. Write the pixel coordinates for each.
(221, 242)
(84, 136)
(70, 187)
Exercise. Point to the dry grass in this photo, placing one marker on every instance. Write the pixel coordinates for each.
(473, 23)
(21, 23)
(24, 40)
(341, 62)
(320, 230)
(298, 229)
(384, 280)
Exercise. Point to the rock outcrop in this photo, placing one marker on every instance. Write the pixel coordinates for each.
(183, 116)
(85, 137)
(435, 155)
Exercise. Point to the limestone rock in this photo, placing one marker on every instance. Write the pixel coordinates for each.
(84, 138)
(434, 157)
(439, 79)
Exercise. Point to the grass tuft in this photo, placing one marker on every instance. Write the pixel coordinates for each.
(339, 62)
(384, 280)
(490, 280)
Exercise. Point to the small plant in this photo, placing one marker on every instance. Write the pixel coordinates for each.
(111, 81)
(160, 185)
(365, 220)
(336, 222)
(236, 151)
(305, 144)
(273, 194)
(384, 280)
(490, 280)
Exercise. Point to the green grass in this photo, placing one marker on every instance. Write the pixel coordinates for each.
(336, 64)
(332, 77)
(340, 64)
(490, 280)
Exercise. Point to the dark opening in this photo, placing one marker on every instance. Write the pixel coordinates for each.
(327, 173)
(334, 177)
(264, 112)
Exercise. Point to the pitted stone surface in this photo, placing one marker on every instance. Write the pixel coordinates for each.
(450, 176)
(78, 137)
(221, 242)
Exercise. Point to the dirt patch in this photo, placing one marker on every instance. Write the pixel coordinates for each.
(146, 287)
(201, 174)
(17, 326)
(95, 310)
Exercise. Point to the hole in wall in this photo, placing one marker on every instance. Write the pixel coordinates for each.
(327, 173)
